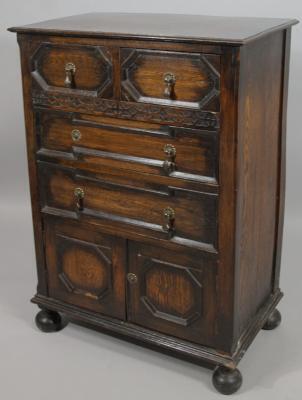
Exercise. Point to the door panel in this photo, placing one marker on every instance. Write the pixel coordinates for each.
(173, 293)
(85, 268)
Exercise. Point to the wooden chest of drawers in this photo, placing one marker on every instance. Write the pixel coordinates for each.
(157, 165)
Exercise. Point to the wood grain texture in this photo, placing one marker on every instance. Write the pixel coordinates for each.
(105, 142)
(174, 27)
(31, 143)
(257, 172)
(282, 160)
(183, 349)
(179, 116)
(116, 172)
(86, 268)
(175, 293)
(227, 198)
(117, 44)
(197, 78)
(93, 67)
(195, 213)
(204, 280)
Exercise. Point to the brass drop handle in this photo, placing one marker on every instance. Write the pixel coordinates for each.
(169, 80)
(170, 154)
(132, 278)
(79, 196)
(76, 135)
(169, 217)
(70, 70)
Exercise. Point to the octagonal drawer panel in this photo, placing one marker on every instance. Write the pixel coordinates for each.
(149, 148)
(168, 212)
(171, 78)
(73, 68)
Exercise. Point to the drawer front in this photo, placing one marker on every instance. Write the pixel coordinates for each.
(169, 212)
(149, 148)
(171, 78)
(172, 292)
(73, 69)
(86, 268)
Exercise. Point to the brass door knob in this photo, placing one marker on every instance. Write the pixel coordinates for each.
(132, 278)
(70, 70)
(76, 135)
(79, 196)
(169, 80)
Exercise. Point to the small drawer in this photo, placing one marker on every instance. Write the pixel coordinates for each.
(169, 213)
(73, 68)
(148, 148)
(171, 78)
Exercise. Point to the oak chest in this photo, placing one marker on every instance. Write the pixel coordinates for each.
(156, 152)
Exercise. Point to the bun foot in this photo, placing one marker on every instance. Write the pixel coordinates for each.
(49, 321)
(273, 321)
(226, 380)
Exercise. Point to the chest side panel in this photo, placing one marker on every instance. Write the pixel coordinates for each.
(259, 133)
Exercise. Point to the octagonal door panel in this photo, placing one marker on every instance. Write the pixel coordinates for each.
(171, 78)
(86, 268)
(172, 292)
(83, 69)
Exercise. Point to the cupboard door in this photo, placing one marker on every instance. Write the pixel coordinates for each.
(173, 293)
(85, 268)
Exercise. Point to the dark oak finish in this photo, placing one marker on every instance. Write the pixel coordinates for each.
(195, 213)
(232, 30)
(102, 141)
(92, 68)
(226, 380)
(273, 321)
(258, 157)
(174, 293)
(282, 159)
(171, 78)
(86, 268)
(157, 174)
(49, 321)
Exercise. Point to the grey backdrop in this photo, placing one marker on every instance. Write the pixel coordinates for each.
(76, 362)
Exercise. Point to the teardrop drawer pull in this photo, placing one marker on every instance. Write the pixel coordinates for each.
(79, 196)
(169, 80)
(70, 70)
(76, 135)
(169, 217)
(170, 154)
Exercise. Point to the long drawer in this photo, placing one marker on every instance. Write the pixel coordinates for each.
(149, 148)
(172, 213)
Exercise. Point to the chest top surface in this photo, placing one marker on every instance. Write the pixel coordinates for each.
(227, 30)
